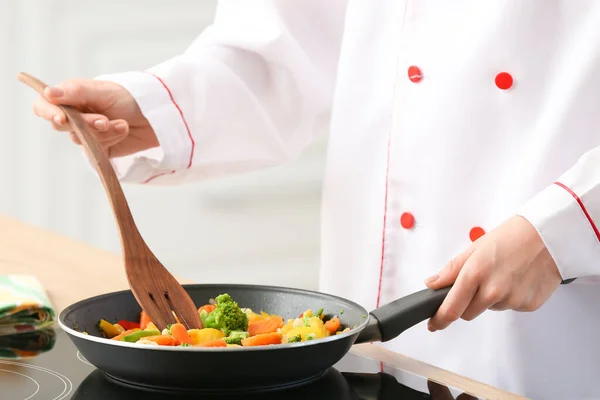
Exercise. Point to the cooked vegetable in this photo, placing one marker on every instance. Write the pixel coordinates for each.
(179, 332)
(332, 325)
(108, 329)
(149, 342)
(303, 326)
(208, 307)
(120, 336)
(265, 325)
(135, 336)
(119, 328)
(144, 320)
(128, 324)
(213, 343)
(205, 335)
(236, 337)
(162, 340)
(252, 316)
(227, 316)
(295, 339)
(150, 327)
(262, 340)
(226, 324)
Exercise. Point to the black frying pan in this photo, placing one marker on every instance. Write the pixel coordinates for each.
(238, 368)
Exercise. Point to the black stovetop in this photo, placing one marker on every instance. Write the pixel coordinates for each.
(61, 373)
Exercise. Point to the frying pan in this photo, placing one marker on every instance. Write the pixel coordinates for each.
(238, 368)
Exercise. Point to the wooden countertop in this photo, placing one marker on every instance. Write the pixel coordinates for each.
(71, 271)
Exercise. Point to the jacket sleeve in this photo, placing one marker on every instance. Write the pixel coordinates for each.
(566, 214)
(252, 91)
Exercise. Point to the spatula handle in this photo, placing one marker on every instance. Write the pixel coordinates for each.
(101, 162)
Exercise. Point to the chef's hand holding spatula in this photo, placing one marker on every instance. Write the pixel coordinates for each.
(110, 111)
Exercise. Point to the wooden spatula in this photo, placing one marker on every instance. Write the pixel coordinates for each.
(155, 289)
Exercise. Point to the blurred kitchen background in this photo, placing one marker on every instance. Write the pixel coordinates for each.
(260, 227)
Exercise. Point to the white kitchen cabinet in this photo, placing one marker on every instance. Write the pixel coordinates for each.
(260, 227)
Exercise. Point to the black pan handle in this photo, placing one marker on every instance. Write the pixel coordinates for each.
(390, 320)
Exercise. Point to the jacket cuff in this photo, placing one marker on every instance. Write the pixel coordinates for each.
(164, 115)
(568, 231)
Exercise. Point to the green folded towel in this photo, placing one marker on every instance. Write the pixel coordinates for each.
(24, 305)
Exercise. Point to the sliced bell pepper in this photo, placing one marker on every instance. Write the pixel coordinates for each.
(151, 327)
(135, 336)
(120, 336)
(128, 324)
(108, 329)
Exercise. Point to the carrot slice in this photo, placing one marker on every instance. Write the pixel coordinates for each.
(144, 320)
(162, 340)
(212, 343)
(332, 325)
(128, 332)
(180, 333)
(265, 325)
(208, 307)
(262, 340)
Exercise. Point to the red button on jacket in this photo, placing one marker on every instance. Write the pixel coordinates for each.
(414, 74)
(407, 220)
(504, 80)
(476, 233)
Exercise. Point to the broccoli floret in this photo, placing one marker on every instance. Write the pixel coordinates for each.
(311, 336)
(295, 339)
(208, 320)
(234, 340)
(227, 316)
(236, 337)
(223, 298)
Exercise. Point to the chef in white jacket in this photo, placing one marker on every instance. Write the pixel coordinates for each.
(463, 148)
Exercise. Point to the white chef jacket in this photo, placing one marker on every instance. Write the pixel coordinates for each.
(445, 118)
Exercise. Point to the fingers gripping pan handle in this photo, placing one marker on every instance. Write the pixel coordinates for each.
(390, 320)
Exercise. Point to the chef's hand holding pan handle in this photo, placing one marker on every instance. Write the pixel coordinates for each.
(390, 320)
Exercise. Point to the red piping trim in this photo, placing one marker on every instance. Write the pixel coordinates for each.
(189, 132)
(156, 176)
(387, 170)
(585, 212)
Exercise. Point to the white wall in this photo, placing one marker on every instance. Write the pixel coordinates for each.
(256, 228)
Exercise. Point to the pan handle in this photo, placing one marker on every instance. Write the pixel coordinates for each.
(390, 320)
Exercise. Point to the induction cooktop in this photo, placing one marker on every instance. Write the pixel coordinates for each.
(57, 371)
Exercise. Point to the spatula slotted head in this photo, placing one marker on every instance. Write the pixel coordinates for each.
(155, 289)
